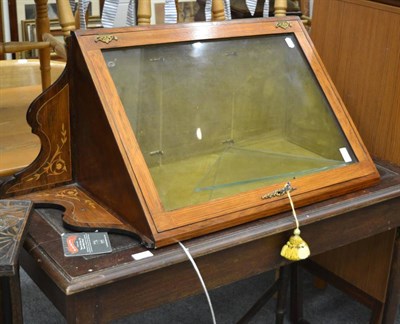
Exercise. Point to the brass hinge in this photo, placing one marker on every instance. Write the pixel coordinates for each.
(105, 38)
(283, 24)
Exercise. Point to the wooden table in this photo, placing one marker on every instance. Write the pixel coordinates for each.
(99, 289)
(14, 218)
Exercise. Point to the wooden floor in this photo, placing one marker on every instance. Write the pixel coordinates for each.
(19, 86)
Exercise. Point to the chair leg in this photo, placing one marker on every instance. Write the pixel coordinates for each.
(42, 27)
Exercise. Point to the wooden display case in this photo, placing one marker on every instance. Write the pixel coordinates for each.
(172, 132)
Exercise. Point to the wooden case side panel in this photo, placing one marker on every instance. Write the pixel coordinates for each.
(49, 118)
(98, 164)
(358, 42)
(349, 261)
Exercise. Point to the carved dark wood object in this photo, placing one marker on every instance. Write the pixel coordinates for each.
(14, 219)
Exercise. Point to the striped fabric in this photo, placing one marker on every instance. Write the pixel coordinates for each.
(109, 12)
(207, 10)
(170, 14)
(227, 4)
(266, 8)
(251, 5)
(131, 19)
(82, 7)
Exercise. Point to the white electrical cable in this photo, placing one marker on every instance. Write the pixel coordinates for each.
(186, 250)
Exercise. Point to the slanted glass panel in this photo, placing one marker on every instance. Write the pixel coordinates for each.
(217, 118)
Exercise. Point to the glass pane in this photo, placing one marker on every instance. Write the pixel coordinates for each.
(217, 118)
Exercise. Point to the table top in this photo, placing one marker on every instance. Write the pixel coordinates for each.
(325, 225)
(14, 218)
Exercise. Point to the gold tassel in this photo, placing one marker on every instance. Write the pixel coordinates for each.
(296, 248)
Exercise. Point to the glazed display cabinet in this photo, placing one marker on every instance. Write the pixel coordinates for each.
(176, 131)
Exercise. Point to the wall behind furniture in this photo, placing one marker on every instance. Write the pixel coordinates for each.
(359, 43)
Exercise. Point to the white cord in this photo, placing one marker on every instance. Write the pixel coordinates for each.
(293, 210)
(186, 250)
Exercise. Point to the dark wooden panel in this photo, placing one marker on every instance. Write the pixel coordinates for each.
(350, 261)
(98, 165)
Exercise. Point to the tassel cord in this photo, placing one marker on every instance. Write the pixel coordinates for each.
(293, 210)
(296, 248)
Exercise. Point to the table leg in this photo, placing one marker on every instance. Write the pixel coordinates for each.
(393, 293)
(83, 308)
(296, 295)
(11, 299)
